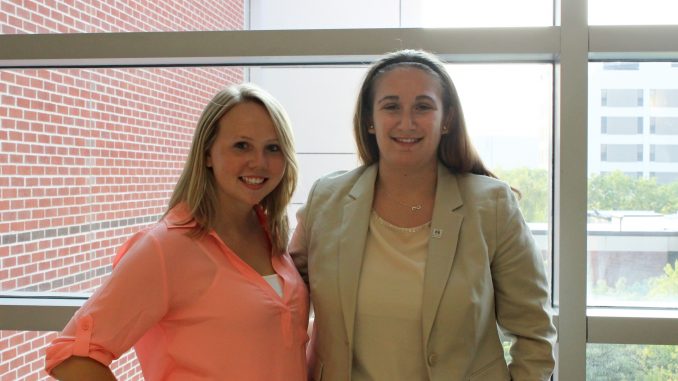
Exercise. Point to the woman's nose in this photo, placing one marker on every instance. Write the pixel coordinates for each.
(257, 159)
(407, 122)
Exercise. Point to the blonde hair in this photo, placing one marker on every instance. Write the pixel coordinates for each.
(455, 150)
(196, 186)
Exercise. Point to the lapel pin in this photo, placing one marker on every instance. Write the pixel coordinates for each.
(437, 233)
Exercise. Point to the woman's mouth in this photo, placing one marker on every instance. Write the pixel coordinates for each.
(407, 140)
(253, 181)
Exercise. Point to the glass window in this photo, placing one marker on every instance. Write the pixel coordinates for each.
(328, 14)
(621, 97)
(620, 65)
(621, 152)
(31, 16)
(665, 177)
(90, 156)
(664, 98)
(632, 12)
(631, 362)
(664, 125)
(632, 198)
(621, 125)
(666, 153)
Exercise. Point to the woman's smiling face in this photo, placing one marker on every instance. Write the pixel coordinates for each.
(246, 157)
(407, 117)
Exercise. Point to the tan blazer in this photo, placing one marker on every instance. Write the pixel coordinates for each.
(483, 270)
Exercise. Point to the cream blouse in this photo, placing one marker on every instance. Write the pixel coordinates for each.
(388, 333)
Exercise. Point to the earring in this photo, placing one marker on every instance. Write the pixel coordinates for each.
(444, 128)
(371, 127)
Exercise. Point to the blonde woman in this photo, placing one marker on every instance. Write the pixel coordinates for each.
(208, 293)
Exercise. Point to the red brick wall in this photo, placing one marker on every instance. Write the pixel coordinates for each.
(90, 156)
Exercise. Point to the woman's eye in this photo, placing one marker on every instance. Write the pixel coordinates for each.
(273, 148)
(390, 106)
(423, 107)
(241, 145)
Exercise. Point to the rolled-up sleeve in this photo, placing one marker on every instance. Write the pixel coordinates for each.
(131, 300)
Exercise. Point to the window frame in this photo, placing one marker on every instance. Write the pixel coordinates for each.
(569, 46)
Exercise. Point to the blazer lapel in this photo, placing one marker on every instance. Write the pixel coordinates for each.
(445, 227)
(355, 223)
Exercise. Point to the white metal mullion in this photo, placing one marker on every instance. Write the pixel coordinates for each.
(632, 326)
(633, 42)
(275, 47)
(570, 184)
(37, 314)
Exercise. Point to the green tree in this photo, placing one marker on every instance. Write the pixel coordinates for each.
(611, 191)
(665, 286)
(613, 362)
(617, 191)
(533, 184)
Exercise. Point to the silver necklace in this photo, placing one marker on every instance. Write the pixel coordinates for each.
(413, 208)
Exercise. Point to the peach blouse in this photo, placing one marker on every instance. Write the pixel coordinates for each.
(193, 310)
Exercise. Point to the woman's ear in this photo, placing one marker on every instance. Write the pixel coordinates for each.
(447, 123)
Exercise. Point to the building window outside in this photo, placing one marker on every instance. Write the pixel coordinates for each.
(621, 65)
(664, 153)
(665, 177)
(621, 97)
(664, 97)
(664, 125)
(621, 125)
(624, 153)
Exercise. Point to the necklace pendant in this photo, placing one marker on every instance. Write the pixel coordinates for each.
(416, 207)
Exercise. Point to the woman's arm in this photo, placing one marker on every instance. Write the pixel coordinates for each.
(78, 368)
(522, 294)
(131, 300)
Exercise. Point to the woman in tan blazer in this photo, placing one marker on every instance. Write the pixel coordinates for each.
(417, 259)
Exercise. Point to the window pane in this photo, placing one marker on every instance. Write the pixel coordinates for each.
(616, 125)
(23, 357)
(520, 96)
(89, 156)
(329, 14)
(31, 16)
(664, 125)
(631, 362)
(632, 189)
(632, 12)
(664, 98)
(621, 97)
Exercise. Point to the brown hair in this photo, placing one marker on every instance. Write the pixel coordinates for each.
(455, 150)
